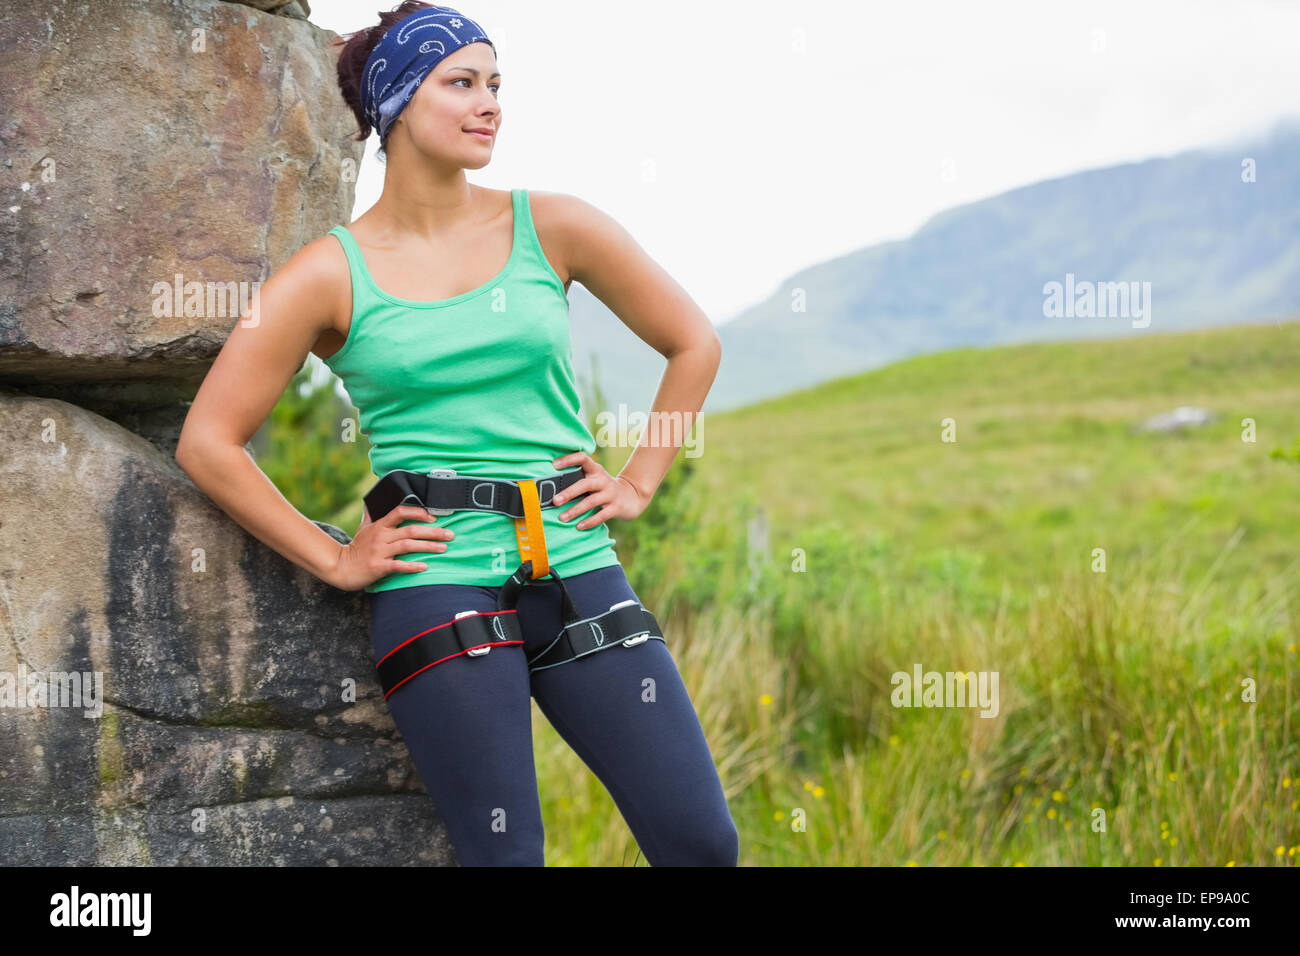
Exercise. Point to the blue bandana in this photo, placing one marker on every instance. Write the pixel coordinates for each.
(404, 56)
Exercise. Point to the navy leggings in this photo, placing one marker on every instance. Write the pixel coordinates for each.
(624, 710)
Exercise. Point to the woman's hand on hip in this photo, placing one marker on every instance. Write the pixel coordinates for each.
(372, 552)
(617, 495)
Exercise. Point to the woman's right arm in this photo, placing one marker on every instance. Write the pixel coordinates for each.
(292, 310)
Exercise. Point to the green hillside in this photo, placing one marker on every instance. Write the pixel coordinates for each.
(1120, 690)
(1046, 466)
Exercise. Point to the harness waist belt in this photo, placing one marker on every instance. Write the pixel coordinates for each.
(442, 492)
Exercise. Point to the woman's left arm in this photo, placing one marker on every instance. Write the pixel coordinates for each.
(596, 251)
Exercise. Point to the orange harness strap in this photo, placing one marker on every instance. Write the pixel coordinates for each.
(528, 530)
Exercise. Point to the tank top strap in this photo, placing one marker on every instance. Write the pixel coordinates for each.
(530, 244)
(364, 297)
(350, 248)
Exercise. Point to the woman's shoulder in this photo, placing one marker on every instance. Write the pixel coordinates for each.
(544, 202)
(321, 273)
(558, 221)
(567, 213)
(568, 222)
(324, 259)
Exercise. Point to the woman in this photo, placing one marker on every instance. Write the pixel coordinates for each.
(458, 362)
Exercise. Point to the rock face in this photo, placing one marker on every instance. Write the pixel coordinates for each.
(171, 690)
(158, 160)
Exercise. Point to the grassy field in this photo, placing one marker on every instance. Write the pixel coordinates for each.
(1147, 712)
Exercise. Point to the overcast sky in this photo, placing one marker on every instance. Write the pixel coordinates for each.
(741, 140)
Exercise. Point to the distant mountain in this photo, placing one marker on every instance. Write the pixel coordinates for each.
(1215, 249)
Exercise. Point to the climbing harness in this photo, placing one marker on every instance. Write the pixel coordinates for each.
(475, 633)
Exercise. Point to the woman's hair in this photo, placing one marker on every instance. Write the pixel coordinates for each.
(352, 62)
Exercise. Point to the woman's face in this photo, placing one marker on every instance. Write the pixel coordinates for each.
(459, 95)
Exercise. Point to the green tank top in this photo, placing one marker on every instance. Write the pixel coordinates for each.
(481, 383)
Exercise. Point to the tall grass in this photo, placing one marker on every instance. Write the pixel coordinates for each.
(1121, 737)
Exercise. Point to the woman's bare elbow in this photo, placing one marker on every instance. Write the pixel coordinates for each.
(193, 439)
(184, 447)
(711, 344)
